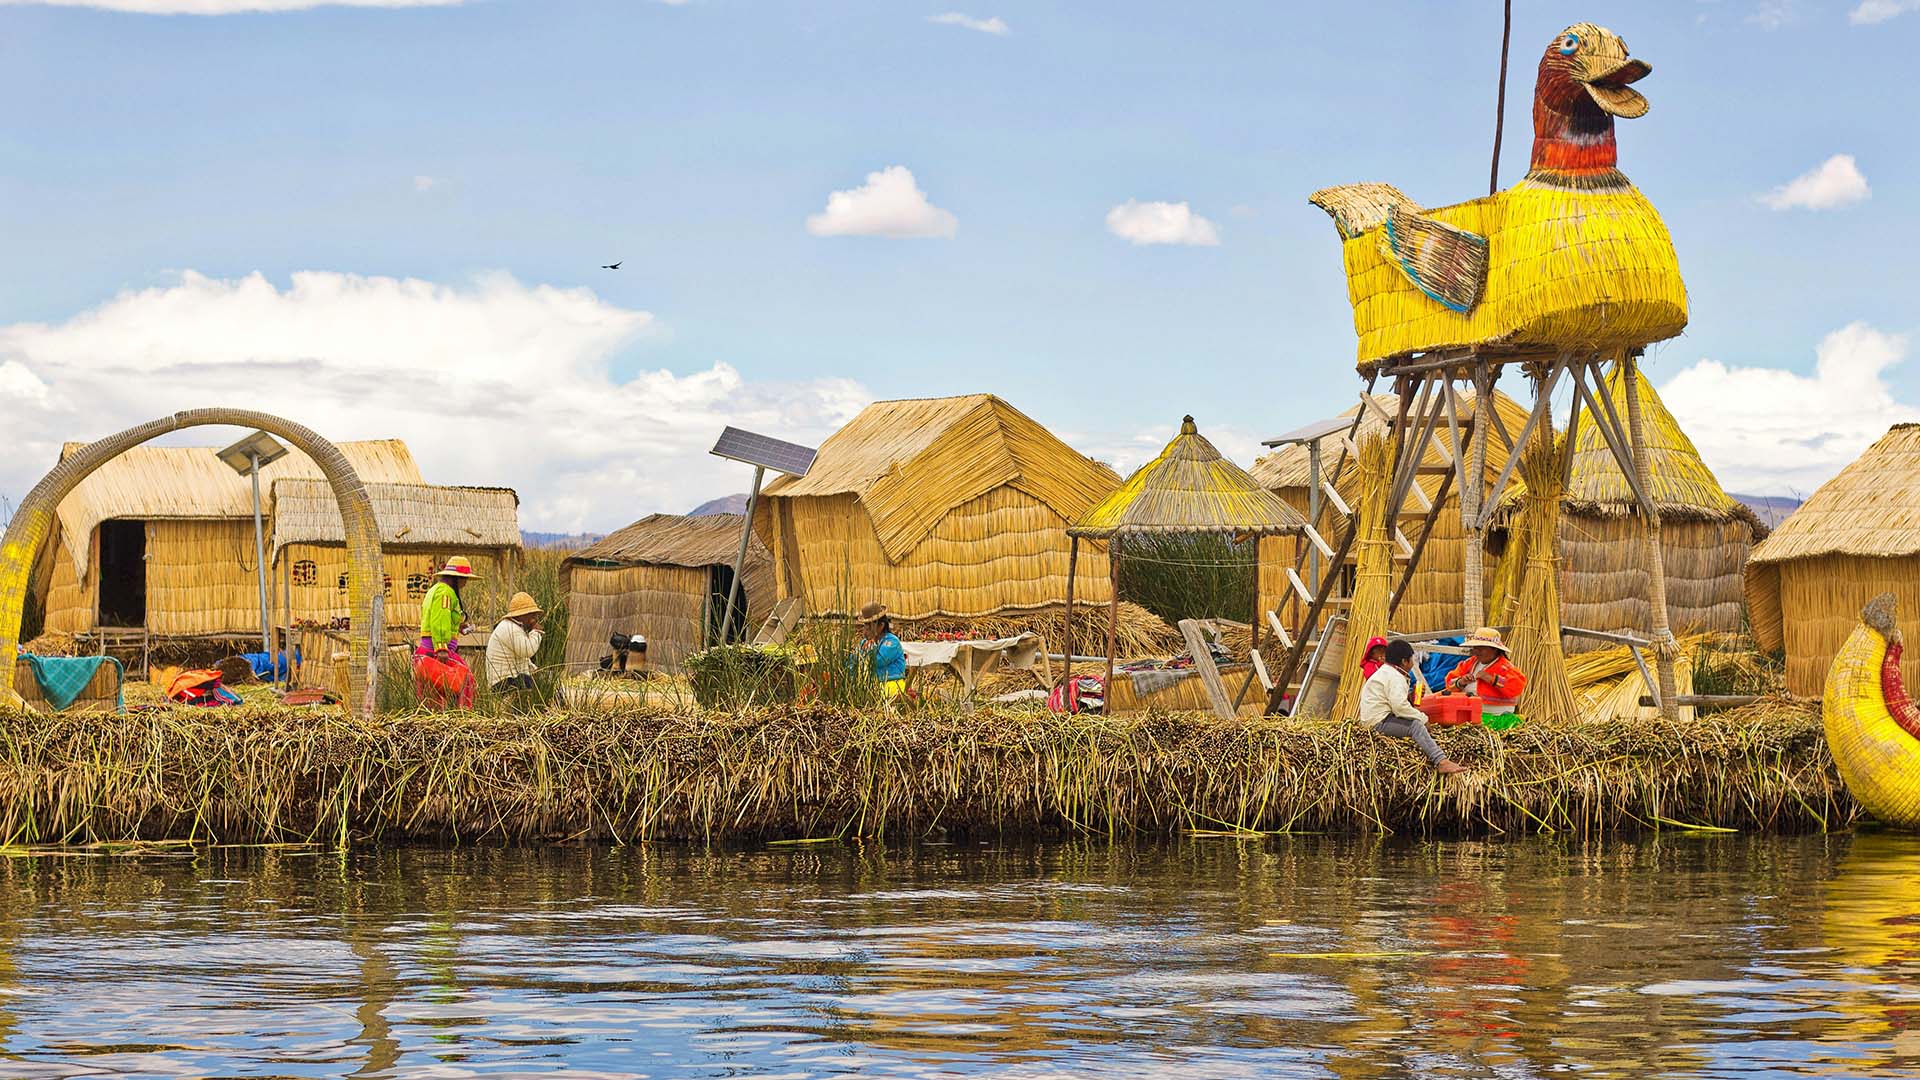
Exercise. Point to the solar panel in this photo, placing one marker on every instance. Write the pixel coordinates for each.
(790, 458)
(1311, 432)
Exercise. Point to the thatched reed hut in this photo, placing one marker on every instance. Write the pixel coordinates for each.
(421, 526)
(159, 541)
(667, 577)
(1856, 537)
(1705, 534)
(938, 506)
(1433, 599)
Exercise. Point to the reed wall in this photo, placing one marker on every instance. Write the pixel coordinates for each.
(1603, 585)
(309, 583)
(1820, 602)
(1004, 550)
(666, 603)
(71, 603)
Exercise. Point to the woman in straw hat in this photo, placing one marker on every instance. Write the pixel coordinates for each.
(1488, 675)
(511, 647)
(886, 657)
(439, 672)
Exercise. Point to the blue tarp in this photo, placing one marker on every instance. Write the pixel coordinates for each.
(1435, 666)
(263, 665)
(62, 679)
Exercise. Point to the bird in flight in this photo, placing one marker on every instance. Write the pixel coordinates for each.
(612, 266)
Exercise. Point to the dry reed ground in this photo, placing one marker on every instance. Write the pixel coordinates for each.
(315, 776)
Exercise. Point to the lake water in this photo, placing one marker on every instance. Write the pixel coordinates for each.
(1688, 955)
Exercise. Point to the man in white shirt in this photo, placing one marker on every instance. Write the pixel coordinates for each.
(1386, 710)
(510, 650)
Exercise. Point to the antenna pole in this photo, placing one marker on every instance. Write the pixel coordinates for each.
(1500, 110)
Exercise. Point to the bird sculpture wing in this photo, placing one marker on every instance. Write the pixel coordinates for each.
(1446, 263)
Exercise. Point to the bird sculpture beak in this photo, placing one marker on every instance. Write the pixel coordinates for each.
(1606, 74)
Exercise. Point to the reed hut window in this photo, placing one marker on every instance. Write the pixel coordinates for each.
(386, 585)
(306, 573)
(417, 586)
(343, 583)
(123, 573)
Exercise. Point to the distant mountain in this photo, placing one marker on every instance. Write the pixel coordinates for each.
(560, 541)
(1770, 509)
(725, 504)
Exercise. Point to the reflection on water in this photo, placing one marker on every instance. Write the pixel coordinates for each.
(1310, 957)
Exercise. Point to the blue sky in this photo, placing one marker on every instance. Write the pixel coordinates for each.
(484, 158)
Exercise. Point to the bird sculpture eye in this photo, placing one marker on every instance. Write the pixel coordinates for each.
(1570, 45)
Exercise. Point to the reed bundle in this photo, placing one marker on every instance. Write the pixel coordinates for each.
(305, 776)
(1373, 570)
(1536, 645)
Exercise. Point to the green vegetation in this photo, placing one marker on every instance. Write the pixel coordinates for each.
(1190, 576)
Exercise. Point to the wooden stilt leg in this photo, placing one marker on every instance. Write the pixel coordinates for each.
(1473, 594)
(1655, 562)
(1113, 611)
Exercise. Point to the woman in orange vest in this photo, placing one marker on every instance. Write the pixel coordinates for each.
(1487, 673)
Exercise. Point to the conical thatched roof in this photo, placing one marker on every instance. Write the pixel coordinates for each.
(1872, 508)
(1189, 488)
(1683, 486)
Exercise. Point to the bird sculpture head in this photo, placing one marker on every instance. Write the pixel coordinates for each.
(1585, 82)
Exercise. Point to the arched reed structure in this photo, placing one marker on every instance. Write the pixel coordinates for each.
(32, 526)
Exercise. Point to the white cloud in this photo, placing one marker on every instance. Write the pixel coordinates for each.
(1161, 223)
(1879, 11)
(1774, 14)
(1836, 182)
(994, 25)
(889, 204)
(227, 7)
(1771, 431)
(490, 382)
(424, 183)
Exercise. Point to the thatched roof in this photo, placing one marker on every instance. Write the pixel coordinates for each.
(410, 515)
(149, 483)
(1288, 466)
(911, 462)
(672, 540)
(1872, 508)
(1683, 486)
(1189, 488)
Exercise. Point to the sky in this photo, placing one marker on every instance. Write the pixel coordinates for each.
(390, 217)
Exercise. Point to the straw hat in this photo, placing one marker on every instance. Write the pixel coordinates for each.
(522, 604)
(872, 613)
(458, 566)
(1487, 636)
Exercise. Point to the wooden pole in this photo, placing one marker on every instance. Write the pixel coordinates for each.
(1073, 564)
(1113, 611)
(1663, 643)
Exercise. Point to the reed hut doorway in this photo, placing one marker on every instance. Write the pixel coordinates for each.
(123, 574)
(719, 584)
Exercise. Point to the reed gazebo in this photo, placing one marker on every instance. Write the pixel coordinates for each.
(1188, 490)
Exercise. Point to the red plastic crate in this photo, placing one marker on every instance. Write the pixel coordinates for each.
(1451, 710)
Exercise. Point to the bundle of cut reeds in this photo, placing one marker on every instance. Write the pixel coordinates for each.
(1536, 647)
(1373, 571)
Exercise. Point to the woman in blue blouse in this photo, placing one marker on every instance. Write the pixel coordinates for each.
(882, 649)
